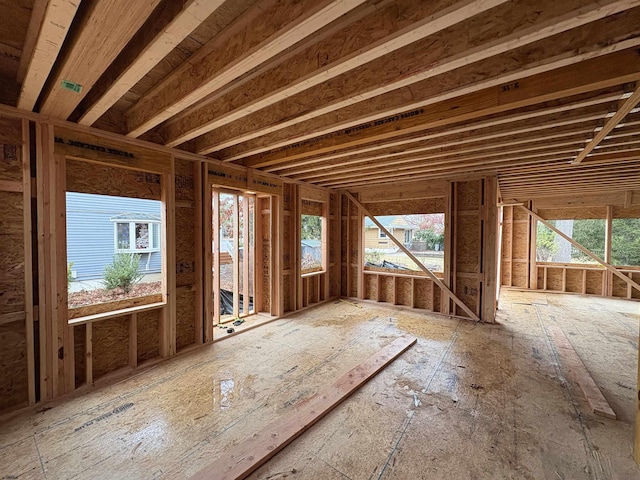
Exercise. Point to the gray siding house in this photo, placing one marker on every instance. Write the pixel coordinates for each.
(99, 226)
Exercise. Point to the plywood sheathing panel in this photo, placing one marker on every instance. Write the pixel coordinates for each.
(185, 247)
(519, 274)
(594, 282)
(13, 365)
(387, 289)
(79, 355)
(423, 294)
(574, 280)
(110, 345)
(554, 279)
(148, 335)
(371, 287)
(185, 320)
(286, 257)
(467, 289)
(520, 240)
(10, 149)
(619, 287)
(407, 207)
(85, 177)
(11, 253)
(468, 243)
(404, 288)
(353, 286)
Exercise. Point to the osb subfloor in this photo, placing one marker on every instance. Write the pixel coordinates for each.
(469, 401)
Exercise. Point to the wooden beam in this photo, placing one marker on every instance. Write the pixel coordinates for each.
(612, 123)
(246, 457)
(587, 252)
(570, 358)
(102, 34)
(379, 79)
(265, 31)
(436, 280)
(190, 15)
(340, 53)
(50, 23)
(588, 75)
(568, 112)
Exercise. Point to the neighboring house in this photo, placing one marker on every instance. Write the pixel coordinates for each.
(311, 248)
(99, 226)
(395, 224)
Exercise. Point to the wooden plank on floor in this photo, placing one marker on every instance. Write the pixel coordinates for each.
(246, 457)
(570, 358)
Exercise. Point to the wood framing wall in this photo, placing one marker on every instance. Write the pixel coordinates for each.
(49, 350)
(519, 267)
(470, 247)
(61, 349)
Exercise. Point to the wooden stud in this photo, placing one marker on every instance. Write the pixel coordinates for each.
(88, 353)
(243, 459)
(436, 280)
(236, 256)
(198, 231)
(168, 316)
(490, 252)
(133, 340)
(28, 259)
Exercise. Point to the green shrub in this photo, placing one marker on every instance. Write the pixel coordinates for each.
(69, 273)
(123, 272)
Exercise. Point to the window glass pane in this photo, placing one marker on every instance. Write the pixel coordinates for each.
(108, 248)
(123, 236)
(156, 235)
(311, 243)
(422, 234)
(142, 236)
(625, 241)
(551, 247)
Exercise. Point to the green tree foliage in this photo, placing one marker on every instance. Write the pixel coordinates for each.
(590, 234)
(123, 272)
(546, 246)
(625, 241)
(430, 237)
(311, 227)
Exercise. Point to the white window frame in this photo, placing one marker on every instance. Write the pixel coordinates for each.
(381, 234)
(132, 236)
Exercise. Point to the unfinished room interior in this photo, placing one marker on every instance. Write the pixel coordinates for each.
(319, 239)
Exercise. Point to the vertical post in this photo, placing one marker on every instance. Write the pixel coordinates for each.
(608, 283)
(236, 256)
(200, 328)
(325, 250)
(88, 352)
(533, 240)
(28, 255)
(490, 250)
(213, 239)
(245, 255)
(168, 318)
(48, 355)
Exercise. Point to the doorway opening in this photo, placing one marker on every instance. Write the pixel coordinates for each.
(233, 247)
